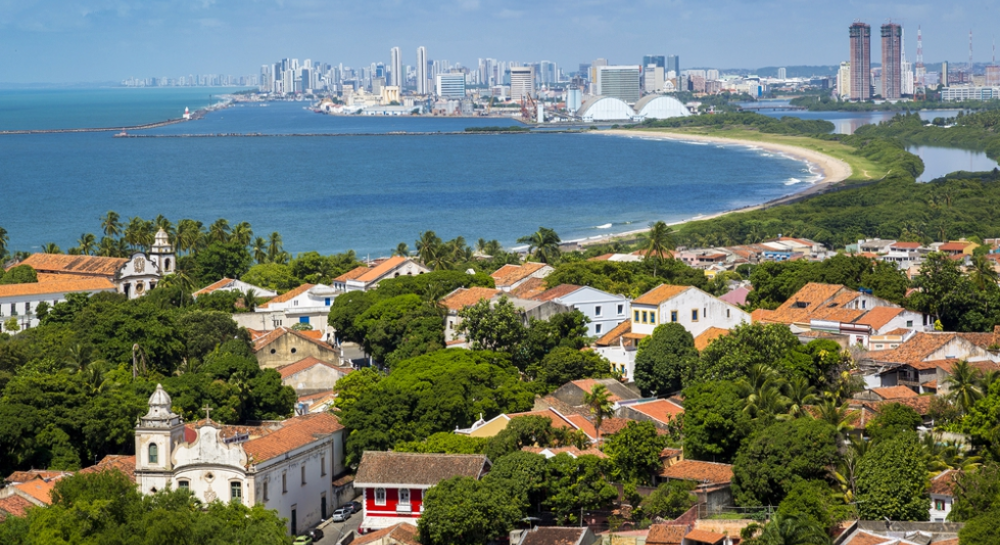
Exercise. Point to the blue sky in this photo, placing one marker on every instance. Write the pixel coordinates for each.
(101, 40)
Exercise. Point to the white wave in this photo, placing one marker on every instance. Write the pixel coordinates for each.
(605, 226)
(793, 181)
(692, 142)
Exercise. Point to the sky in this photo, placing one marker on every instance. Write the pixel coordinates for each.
(62, 41)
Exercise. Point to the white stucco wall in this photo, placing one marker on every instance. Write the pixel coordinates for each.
(711, 312)
(589, 300)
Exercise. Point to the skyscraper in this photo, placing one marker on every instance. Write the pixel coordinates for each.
(782, 73)
(674, 63)
(861, 62)
(522, 82)
(422, 71)
(657, 60)
(619, 82)
(395, 67)
(892, 70)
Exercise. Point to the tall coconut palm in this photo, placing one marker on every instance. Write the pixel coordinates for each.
(835, 415)
(111, 224)
(402, 250)
(87, 244)
(793, 530)
(274, 250)
(963, 385)
(139, 233)
(767, 400)
(219, 230)
(799, 393)
(161, 222)
(260, 250)
(249, 299)
(4, 241)
(51, 248)
(599, 401)
(188, 235)
(544, 244)
(983, 274)
(242, 234)
(659, 243)
(178, 278)
(429, 249)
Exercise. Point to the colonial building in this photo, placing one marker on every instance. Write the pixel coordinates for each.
(365, 278)
(285, 346)
(307, 304)
(604, 310)
(232, 284)
(394, 483)
(287, 466)
(510, 277)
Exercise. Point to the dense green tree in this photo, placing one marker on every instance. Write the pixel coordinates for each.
(565, 364)
(345, 310)
(563, 330)
(893, 419)
(714, 421)
(390, 324)
(791, 530)
(670, 500)
(575, 485)
(21, 274)
(981, 529)
(634, 452)
(892, 480)
(976, 492)
(222, 260)
(272, 276)
(352, 386)
(446, 442)
(814, 500)
(202, 331)
(466, 511)
(770, 462)
(527, 431)
(666, 360)
(496, 327)
(734, 356)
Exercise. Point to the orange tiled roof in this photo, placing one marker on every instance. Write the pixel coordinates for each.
(404, 533)
(24, 476)
(703, 472)
(271, 336)
(529, 288)
(508, 275)
(659, 294)
(67, 284)
(954, 246)
(703, 536)
(321, 396)
(558, 420)
(353, 274)
(864, 538)
(561, 290)
(382, 269)
(906, 245)
(125, 464)
(984, 366)
(894, 392)
(915, 350)
(702, 341)
(604, 257)
(806, 301)
(583, 424)
(666, 534)
(899, 331)
(14, 505)
(611, 337)
(296, 432)
(762, 315)
(75, 264)
(944, 483)
(288, 295)
(464, 297)
(661, 410)
(920, 404)
(40, 489)
(218, 284)
(303, 364)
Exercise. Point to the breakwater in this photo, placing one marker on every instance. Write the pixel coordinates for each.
(342, 134)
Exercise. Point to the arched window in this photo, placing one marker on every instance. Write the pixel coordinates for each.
(167, 263)
(154, 453)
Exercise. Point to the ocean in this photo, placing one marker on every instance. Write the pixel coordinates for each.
(366, 190)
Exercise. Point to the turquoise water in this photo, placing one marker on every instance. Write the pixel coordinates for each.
(368, 193)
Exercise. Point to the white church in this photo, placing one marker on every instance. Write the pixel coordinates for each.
(289, 466)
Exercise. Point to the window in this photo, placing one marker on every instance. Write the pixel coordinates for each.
(652, 317)
(597, 328)
(727, 313)
(379, 496)
(694, 315)
(284, 483)
(645, 317)
(326, 301)
(621, 309)
(154, 453)
(939, 505)
(265, 490)
(236, 492)
(597, 311)
(322, 466)
(863, 303)
(637, 316)
(295, 303)
(404, 496)
(183, 485)
(673, 315)
(909, 323)
(303, 468)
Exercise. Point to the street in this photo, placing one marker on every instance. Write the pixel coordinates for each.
(333, 531)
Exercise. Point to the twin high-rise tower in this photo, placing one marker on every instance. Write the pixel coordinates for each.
(861, 61)
(892, 55)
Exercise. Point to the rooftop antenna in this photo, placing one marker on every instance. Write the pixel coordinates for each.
(920, 47)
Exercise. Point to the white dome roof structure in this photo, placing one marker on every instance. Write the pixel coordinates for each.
(605, 109)
(160, 413)
(660, 107)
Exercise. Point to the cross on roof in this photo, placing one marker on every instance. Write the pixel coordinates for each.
(208, 412)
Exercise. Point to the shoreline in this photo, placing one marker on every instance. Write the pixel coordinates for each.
(831, 171)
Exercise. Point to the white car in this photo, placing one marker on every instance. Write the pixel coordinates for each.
(342, 514)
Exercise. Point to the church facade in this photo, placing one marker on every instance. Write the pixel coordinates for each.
(288, 466)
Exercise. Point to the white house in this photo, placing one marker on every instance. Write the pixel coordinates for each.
(365, 278)
(21, 300)
(605, 310)
(306, 304)
(286, 466)
(942, 495)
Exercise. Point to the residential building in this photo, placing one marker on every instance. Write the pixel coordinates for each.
(365, 277)
(285, 346)
(21, 300)
(450, 85)
(942, 493)
(604, 310)
(522, 83)
(621, 82)
(509, 277)
(456, 301)
(892, 79)
(393, 484)
(231, 284)
(396, 76)
(915, 362)
(499, 423)
(423, 86)
(689, 306)
(573, 393)
(306, 304)
(712, 481)
(403, 533)
(969, 92)
(311, 376)
(550, 535)
(673, 65)
(661, 412)
(285, 466)
(844, 81)
(861, 88)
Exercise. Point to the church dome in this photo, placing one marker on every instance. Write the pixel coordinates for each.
(159, 407)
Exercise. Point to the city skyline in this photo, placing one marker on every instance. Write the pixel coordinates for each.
(100, 40)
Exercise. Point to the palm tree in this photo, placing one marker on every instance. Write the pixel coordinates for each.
(963, 387)
(766, 401)
(161, 222)
(219, 231)
(544, 244)
(178, 278)
(87, 244)
(793, 530)
(260, 250)
(599, 401)
(4, 241)
(274, 250)
(242, 234)
(111, 224)
(51, 248)
(429, 248)
(135, 232)
(249, 299)
(836, 415)
(983, 274)
(799, 394)
(402, 250)
(188, 235)
(659, 241)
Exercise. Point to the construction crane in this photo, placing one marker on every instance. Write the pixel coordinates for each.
(528, 108)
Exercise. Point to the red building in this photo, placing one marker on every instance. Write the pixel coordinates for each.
(394, 483)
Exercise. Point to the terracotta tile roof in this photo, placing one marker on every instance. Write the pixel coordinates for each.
(295, 433)
(702, 341)
(806, 301)
(952, 541)
(981, 366)
(271, 336)
(217, 285)
(40, 489)
(464, 297)
(353, 274)
(954, 246)
(558, 420)
(317, 397)
(702, 536)
(586, 426)
(900, 331)
(661, 410)
(864, 538)
(375, 273)
(508, 275)
(561, 290)
(943, 484)
(666, 534)
(66, 284)
(659, 294)
(14, 505)
(75, 264)
(611, 426)
(916, 349)
(982, 340)
(572, 451)
(415, 468)
(587, 384)
(305, 363)
(762, 315)
(25, 476)
(894, 392)
(702, 472)
(117, 462)
(931, 385)
(905, 245)
(920, 404)
(552, 535)
(287, 296)
(529, 288)
(404, 533)
(604, 257)
(611, 337)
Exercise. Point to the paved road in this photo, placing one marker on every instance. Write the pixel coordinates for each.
(331, 535)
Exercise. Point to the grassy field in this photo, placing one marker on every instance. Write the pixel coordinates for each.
(862, 169)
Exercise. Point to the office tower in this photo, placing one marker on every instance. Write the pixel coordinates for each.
(653, 79)
(395, 67)
(945, 80)
(594, 66)
(892, 81)
(844, 81)
(861, 61)
(548, 72)
(450, 85)
(620, 82)
(422, 71)
(655, 60)
(782, 73)
(674, 64)
(522, 82)
(265, 78)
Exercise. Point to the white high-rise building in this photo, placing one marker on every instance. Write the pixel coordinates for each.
(782, 73)
(714, 74)
(396, 68)
(620, 82)
(907, 85)
(844, 81)
(422, 71)
(522, 82)
(450, 85)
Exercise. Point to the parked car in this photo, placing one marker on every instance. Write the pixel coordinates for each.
(356, 505)
(316, 534)
(303, 540)
(342, 514)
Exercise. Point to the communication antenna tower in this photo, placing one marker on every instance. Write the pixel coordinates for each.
(920, 48)
(970, 52)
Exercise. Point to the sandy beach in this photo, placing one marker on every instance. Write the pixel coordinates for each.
(828, 169)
